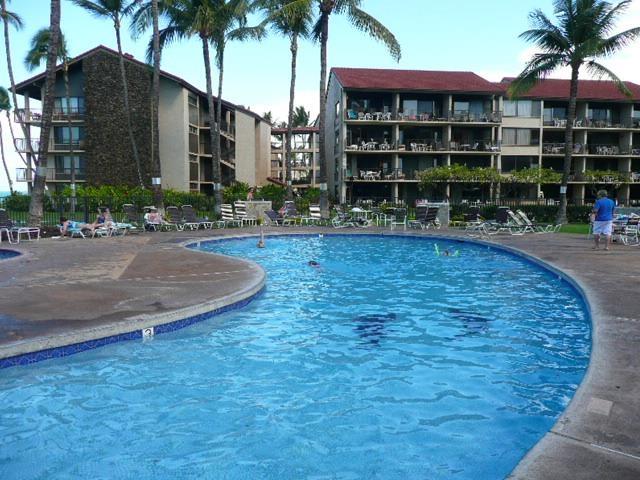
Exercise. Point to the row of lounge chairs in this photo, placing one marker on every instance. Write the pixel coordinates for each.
(506, 221)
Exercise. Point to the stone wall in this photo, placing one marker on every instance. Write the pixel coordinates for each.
(108, 148)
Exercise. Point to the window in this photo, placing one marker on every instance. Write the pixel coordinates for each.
(64, 164)
(521, 108)
(509, 163)
(193, 100)
(554, 113)
(337, 112)
(62, 137)
(75, 105)
(520, 136)
(193, 130)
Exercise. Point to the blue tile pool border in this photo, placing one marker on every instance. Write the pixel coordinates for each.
(72, 349)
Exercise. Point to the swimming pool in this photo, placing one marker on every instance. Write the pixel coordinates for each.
(4, 254)
(385, 361)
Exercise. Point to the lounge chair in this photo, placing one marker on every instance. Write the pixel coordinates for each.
(191, 219)
(132, 218)
(173, 219)
(290, 214)
(241, 214)
(537, 227)
(228, 219)
(315, 216)
(425, 217)
(272, 218)
(399, 217)
(13, 231)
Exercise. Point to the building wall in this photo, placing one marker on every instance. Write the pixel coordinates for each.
(334, 153)
(263, 151)
(109, 153)
(245, 148)
(174, 136)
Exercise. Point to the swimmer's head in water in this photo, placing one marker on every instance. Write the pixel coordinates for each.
(313, 263)
(260, 244)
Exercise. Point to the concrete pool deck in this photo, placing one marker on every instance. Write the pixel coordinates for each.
(62, 291)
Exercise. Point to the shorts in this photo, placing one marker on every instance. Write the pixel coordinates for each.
(603, 227)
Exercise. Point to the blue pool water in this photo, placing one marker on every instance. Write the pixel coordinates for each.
(4, 254)
(386, 361)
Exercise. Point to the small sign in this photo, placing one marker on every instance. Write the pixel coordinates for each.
(563, 189)
(147, 333)
(156, 181)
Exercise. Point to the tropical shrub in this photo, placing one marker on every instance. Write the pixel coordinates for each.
(274, 193)
(235, 191)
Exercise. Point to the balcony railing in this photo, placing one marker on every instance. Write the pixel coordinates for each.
(53, 174)
(417, 145)
(227, 129)
(383, 175)
(558, 148)
(591, 123)
(606, 150)
(22, 145)
(461, 116)
(66, 145)
(34, 115)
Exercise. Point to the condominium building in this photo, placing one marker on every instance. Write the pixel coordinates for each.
(97, 146)
(383, 127)
(304, 156)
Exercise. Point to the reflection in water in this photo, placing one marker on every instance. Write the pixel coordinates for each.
(371, 328)
(472, 322)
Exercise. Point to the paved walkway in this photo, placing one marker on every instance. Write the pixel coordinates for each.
(73, 288)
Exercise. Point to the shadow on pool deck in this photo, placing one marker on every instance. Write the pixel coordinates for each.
(61, 289)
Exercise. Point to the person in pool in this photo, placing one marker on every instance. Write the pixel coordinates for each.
(446, 252)
(314, 264)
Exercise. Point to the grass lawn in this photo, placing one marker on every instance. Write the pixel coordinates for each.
(575, 228)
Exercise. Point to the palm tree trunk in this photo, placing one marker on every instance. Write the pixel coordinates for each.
(156, 168)
(212, 123)
(292, 91)
(322, 158)
(217, 165)
(37, 194)
(23, 125)
(70, 127)
(4, 162)
(127, 111)
(568, 145)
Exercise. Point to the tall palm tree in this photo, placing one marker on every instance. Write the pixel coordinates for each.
(361, 21)
(37, 193)
(35, 56)
(116, 10)
(292, 19)
(5, 105)
(215, 23)
(581, 36)
(14, 20)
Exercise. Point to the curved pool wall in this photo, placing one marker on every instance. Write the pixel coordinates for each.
(138, 328)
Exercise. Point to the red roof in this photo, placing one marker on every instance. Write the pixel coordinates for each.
(555, 88)
(437, 81)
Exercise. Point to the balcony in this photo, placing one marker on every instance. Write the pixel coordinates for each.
(382, 175)
(558, 149)
(417, 145)
(22, 145)
(33, 115)
(228, 130)
(590, 123)
(66, 145)
(53, 175)
(458, 116)
(608, 150)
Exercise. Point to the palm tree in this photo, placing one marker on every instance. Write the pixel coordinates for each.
(301, 117)
(215, 22)
(580, 37)
(148, 13)
(5, 105)
(35, 56)
(37, 193)
(116, 10)
(13, 19)
(291, 18)
(361, 21)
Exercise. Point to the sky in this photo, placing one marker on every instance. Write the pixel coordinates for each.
(459, 35)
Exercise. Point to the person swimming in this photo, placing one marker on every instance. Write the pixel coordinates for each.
(313, 263)
(446, 252)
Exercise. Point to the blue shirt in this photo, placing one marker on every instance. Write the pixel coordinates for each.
(604, 208)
